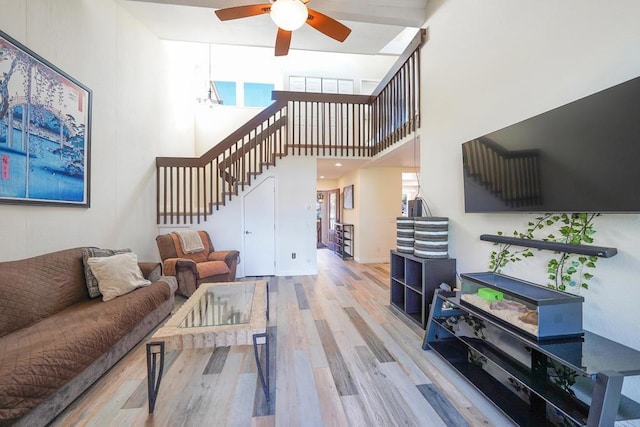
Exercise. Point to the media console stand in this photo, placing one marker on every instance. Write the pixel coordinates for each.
(567, 382)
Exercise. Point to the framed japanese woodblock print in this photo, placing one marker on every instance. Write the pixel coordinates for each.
(45, 118)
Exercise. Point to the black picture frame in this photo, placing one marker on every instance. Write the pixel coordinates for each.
(45, 131)
(347, 198)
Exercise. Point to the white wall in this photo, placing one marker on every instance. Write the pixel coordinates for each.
(177, 92)
(379, 203)
(327, 184)
(213, 124)
(493, 63)
(102, 46)
(296, 216)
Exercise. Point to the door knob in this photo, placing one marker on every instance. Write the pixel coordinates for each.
(247, 232)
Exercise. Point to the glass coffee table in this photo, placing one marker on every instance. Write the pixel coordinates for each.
(216, 315)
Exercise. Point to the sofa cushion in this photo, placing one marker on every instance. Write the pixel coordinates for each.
(34, 288)
(90, 279)
(117, 275)
(38, 360)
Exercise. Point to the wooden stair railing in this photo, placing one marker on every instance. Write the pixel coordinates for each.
(323, 124)
(395, 107)
(297, 123)
(191, 187)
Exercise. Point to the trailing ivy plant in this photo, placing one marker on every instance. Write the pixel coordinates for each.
(565, 271)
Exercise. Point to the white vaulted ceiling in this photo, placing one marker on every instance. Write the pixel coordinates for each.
(378, 26)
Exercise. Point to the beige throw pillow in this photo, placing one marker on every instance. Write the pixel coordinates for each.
(117, 274)
(92, 282)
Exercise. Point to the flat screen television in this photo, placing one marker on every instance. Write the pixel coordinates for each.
(581, 157)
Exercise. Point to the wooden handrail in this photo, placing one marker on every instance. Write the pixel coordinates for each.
(421, 37)
(243, 130)
(254, 142)
(338, 98)
(223, 145)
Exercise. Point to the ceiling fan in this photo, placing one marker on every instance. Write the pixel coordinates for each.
(288, 15)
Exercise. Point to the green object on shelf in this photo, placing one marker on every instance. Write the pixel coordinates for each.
(489, 294)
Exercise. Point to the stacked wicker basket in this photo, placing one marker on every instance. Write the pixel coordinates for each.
(424, 237)
(405, 234)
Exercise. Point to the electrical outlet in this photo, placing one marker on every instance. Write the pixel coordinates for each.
(293, 255)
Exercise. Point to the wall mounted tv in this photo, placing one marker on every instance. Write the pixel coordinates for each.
(581, 157)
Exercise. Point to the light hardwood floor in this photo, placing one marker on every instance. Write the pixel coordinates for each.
(340, 356)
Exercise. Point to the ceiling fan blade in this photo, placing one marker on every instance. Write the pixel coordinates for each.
(242, 11)
(328, 26)
(283, 40)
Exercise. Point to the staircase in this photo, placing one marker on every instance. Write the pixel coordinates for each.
(299, 124)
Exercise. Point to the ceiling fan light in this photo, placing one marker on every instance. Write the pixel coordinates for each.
(289, 14)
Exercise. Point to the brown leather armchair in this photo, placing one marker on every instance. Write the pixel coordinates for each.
(192, 269)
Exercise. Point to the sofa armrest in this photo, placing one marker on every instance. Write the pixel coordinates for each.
(169, 266)
(151, 270)
(229, 257)
(172, 265)
(171, 281)
(185, 264)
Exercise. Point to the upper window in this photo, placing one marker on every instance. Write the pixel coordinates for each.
(320, 84)
(257, 94)
(227, 92)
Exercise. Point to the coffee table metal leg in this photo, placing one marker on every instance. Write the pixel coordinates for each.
(267, 300)
(155, 366)
(264, 375)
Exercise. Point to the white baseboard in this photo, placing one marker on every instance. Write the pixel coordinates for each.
(301, 272)
(372, 260)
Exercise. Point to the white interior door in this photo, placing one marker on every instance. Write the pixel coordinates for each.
(259, 256)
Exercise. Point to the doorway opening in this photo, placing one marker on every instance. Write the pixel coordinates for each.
(410, 189)
(327, 215)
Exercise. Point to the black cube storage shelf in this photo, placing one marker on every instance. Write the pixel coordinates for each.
(414, 280)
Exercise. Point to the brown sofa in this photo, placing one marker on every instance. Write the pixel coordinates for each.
(55, 340)
(192, 269)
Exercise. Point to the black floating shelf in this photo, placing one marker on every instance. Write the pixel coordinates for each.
(599, 251)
